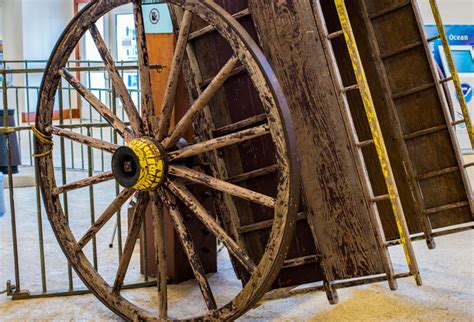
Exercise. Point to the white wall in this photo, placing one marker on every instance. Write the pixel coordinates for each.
(12, 27)
(30, 31)
(1, 25)
(453, 12)
(43, 23)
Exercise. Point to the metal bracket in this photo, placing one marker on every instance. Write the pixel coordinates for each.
(15, 295)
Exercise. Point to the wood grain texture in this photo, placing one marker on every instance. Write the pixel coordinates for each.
(219, 142)
(220, 185)
(332, 189)
(106, 176)
(173, 78)
(402, 66)
(147, 101)
(83, 139)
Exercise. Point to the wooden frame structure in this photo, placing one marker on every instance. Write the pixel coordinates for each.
(173, 157)
(360, 147)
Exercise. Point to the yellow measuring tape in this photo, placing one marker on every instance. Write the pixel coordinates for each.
(43, 138)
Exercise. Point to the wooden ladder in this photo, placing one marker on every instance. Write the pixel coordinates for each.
(377, 139)
(384, 56)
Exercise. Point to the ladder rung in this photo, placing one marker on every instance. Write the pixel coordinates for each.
(402, 50)
(264, 224)
(436, 173)
(468, 165)
(236, 72)
(412, 91)
(350, 88)
(446, 79)
(253, 174)
(335, 34)
(424, 132)
(380, 198)
(208, 29)
(251, 121)
(433, 38)
(389, 10)
(458, 122)
(364, 143)
(300, 261)
(447, 207)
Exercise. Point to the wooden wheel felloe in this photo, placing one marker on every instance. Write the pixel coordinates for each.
(151, 165)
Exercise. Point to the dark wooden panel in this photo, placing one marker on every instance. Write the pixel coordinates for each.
(331, 185)
(397, 63)
(235, 102)
(386, 115)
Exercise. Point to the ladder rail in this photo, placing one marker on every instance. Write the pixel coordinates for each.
(452, 69)
(378, 139)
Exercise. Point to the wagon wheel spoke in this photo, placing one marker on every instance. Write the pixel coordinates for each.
(195, 206)
(161, 268)
(133, 232)
(173, 79)
(117, 81)
(100, 107)
(148, 105)
(220, 185)
(190, 249)
(83, 139)
(219, 142)
(105, 217)
(106, 176)
(201, 102)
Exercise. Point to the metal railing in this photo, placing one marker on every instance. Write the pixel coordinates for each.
(20, 89)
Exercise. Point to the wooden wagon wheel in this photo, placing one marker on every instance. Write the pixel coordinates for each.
(150, 165)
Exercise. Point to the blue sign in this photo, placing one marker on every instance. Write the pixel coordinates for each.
(467, 92)
(461, 41)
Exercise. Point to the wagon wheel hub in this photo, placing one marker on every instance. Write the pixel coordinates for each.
(141, 164)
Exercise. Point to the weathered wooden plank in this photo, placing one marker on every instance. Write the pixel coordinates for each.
(332, 189)
(106, 176)
(220, 185)
(234, 108)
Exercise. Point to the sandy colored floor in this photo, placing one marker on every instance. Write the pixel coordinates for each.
(447, 293)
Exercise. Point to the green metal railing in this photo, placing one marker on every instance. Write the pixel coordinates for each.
(69, 157)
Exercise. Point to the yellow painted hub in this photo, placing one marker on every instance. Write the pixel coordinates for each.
(140, 165)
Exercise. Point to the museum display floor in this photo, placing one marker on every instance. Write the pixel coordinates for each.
(447, 271)
(447, 295)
